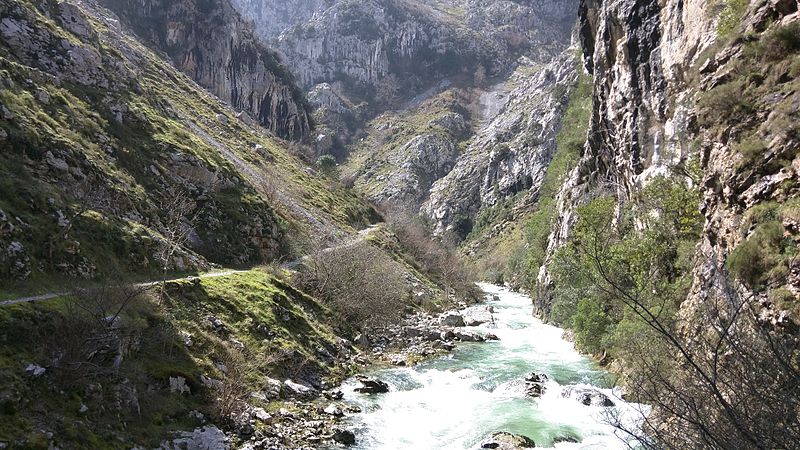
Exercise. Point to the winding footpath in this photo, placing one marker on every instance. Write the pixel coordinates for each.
(359, 237)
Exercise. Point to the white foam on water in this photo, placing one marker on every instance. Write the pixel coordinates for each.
(453, 402)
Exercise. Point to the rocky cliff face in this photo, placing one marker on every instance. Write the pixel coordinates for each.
(363, 42)
(654, 64)
(397, 66)
(510, 154)
(209, 42)
(272, 18)
(449, 72)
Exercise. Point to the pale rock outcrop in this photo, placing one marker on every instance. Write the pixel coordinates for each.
(511, 153)
(506, 441)
(206, 438)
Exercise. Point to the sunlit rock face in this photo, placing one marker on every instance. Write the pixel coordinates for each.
(506, 61)
(650, 62)
(510, 154)
(365, 41)
(273, 17)
(209, 42)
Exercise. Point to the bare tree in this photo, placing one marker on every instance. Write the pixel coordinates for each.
(87, 198)
(436, 257)
(243, 375)
(363, 284)
(180, 215)
(732, 382)
(91, 338)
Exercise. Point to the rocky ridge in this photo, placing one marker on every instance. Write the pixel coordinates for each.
(509, 155)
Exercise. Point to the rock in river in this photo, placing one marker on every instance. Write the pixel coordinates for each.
(587, 396)
(371, 385)
(345, 437)
(507, 441)
(452, 319)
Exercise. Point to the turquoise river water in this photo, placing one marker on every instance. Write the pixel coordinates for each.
(453, 402)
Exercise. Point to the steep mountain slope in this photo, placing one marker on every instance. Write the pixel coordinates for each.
(673, 245)
(103, 142)
(115, 167)
(647, 120)
(508, 156)
(401, 89)
(210, 43)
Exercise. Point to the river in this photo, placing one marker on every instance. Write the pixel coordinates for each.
(453, 402)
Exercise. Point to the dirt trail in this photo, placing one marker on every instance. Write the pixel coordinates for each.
(361, 236)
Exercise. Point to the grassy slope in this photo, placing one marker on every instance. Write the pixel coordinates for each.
(265, 204)
(125, 170)
(276, 324)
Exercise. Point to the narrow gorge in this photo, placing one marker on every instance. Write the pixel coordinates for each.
(399, 224)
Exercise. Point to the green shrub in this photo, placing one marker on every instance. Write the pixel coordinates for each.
(609, 260)
(776, 44)
(327, 165)
(783, 298)
(762, 257)
(724, 102)
(731, 17)
(537, 233)
(591, 325)
(751, 148)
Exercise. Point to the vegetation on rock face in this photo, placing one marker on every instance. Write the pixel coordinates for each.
(517, 258)
(697, 312)
(644, 247)
(762, 83)
(763, 259)
(733, 12)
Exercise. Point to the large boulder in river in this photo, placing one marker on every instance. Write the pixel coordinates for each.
(371, 385)
(477, 315)
(587, 396)
(506, 441)
(533, 385)
(344, 437)
(468, 337)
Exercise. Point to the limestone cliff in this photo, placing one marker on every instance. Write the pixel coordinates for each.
(671, 84)
(402, 87)
(363, 42)
(510, 154)
(210, 42)
(272, 18)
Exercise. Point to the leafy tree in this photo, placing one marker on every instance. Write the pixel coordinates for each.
(620, 281)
